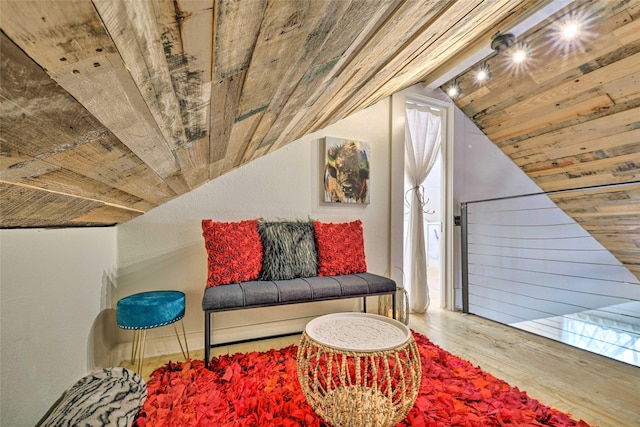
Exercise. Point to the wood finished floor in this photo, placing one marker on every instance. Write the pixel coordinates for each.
(599, 390)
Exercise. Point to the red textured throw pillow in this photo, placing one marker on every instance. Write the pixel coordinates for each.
(234, 249)
(340, 248)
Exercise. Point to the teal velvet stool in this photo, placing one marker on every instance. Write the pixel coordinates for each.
(147, 310)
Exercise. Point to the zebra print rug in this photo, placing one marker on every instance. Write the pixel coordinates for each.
(107, 397)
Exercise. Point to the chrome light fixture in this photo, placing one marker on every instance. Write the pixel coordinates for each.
(501, 42)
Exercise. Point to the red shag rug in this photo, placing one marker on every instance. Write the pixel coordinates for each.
(262, 389)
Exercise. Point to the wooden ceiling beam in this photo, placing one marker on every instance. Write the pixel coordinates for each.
(188, 42)
(280, 46)
(320, 29)
(363, 56)
(174, 84)
(380, 46)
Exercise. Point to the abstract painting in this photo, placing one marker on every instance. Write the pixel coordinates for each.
(346, 171)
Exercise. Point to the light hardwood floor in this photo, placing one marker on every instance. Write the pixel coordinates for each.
(599, 390)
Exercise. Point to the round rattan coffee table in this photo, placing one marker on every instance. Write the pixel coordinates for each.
(359, 369)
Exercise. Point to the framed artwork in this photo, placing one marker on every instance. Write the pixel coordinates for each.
(346, 171)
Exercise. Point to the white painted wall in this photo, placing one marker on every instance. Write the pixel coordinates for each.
(164, 248)
(55, 293)
(483, 171)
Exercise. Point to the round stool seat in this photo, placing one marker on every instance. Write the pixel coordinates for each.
(151, 309)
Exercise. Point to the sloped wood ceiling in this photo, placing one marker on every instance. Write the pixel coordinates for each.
(112, 107)
(571, 119)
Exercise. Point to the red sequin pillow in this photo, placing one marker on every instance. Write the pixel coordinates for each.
(234, 251)
(340, 248)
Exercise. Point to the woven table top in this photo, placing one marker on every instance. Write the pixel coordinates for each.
(360, 332)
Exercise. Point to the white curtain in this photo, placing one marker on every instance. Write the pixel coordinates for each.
(422, 145)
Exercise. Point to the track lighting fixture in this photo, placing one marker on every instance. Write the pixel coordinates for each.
(569, 31)
(501, 42)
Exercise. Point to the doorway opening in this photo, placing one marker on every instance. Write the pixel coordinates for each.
(428, 191)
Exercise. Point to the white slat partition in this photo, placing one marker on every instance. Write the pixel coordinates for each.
(531, 266)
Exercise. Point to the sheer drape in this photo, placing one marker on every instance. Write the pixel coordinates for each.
(422, 144)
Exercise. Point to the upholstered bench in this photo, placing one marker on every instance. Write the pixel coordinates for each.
(257, 293)
(273, 263)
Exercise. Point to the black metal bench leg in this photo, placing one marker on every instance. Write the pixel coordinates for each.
(207, 338)
(393, 303)
(364, 304)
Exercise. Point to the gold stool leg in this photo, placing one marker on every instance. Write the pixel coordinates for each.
(134, 345)
(184, 334)
(143, 339)
(179, 341)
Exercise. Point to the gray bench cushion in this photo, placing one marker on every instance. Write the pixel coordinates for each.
(268, 293)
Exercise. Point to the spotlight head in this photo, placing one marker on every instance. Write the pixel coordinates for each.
(482, 73)
(519, 55)
(570, 30)
(453, 90)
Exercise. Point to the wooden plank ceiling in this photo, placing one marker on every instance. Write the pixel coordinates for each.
(112, 107)
(570, 118)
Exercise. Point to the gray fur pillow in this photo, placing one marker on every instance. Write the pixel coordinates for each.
(288, 250)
